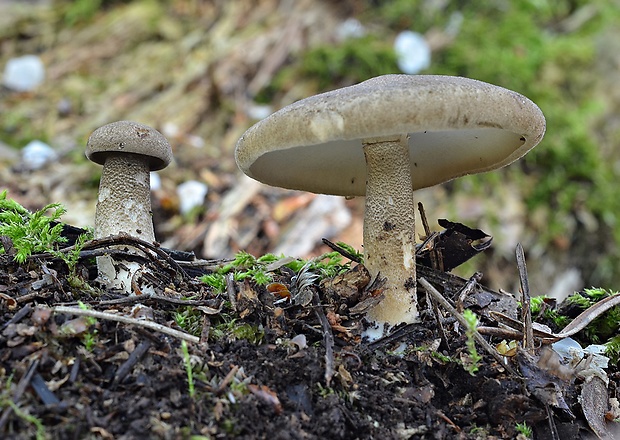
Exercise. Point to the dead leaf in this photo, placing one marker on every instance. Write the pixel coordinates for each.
(545, 386)
(74, 327)
(457, 244)
(594, 404)
(266, 395)
(9, 301)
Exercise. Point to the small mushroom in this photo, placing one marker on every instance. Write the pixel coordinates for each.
(128, 151)
(385, 138)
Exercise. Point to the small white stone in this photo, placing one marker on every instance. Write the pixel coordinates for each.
(36, 154)
(195, 141)
(350, 28)
(23, 73)
(412, 51)
(258, 111)
(191, 194)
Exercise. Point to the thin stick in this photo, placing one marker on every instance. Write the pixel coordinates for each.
(132, 360)
(427, 229)
(478, 338)
(227, 379)
(19, 391)
(528, 334)
(429, 241)
(328, 338)
(466, 290)
(342, 251)
(436, 257)
(503, 333)
(552, 427)
(230, 290)
(126, 320)
(152, 297)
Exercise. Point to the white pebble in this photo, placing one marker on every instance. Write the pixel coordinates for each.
(36, 154)
(191, 194)
(155, 181)
(350, 28)
(24, 73)
(412, 51)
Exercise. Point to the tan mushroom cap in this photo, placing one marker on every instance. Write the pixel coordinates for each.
(456, 126)
(129, 137)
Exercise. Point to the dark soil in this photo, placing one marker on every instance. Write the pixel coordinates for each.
(252, 379)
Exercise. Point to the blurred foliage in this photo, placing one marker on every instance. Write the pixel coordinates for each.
(529, 46)
(80, 11)
(352, 61)
(356, 60)
(521, 47)
(548, 50)
(543, 49)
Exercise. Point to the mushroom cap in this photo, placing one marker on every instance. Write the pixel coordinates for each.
(129, 137)
(456, 126)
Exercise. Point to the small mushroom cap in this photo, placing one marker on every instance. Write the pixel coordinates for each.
(456, 126)
(129, 137)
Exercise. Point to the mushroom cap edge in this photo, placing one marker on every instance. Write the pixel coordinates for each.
(315, 144)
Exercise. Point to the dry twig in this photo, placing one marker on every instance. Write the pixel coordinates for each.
(328, 338)
(126, 320)
(479, 339)
(528, 334)
(19, 390)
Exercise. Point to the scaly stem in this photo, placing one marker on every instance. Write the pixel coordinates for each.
(389, 228)
(124, 203)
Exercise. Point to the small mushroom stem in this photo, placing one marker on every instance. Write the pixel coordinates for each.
(389, 228)
(124, 203)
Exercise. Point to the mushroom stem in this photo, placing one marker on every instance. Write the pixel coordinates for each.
(124, 203)
(389, 228)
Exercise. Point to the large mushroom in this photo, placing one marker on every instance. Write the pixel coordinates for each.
(385, 138)
(128, 151)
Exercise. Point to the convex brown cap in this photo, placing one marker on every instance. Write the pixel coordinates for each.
(129, 137)
(456, 126)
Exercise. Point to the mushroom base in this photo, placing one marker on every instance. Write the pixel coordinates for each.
(119, 274)
(389, 229)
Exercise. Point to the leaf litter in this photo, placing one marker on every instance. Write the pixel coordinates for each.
(268, 363)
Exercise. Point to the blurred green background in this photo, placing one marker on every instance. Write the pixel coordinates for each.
(201, 72)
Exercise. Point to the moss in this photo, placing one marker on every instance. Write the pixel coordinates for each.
(351, 61)
(354, 60)
(603, 327)
(30, 232)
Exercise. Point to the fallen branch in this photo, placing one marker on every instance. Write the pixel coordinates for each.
(126, 320)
